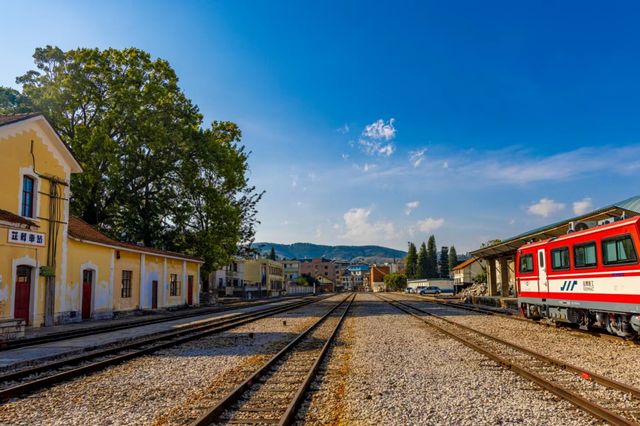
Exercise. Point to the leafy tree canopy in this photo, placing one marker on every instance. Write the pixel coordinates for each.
(395, 282)
(152, 174)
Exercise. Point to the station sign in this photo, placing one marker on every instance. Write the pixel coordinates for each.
(29, 238)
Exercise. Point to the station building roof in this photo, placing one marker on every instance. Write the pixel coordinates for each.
(629, 207)
(82, 231)
(12, 218)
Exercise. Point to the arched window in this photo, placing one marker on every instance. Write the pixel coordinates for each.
(28, 191)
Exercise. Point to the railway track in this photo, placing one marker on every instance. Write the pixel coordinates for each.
(6, 345)
(273, 393)
(558, 325)
(604, 398)
(24, 381)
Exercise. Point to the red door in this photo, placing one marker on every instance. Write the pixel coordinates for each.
(23, 293)
(87, 280)
(154, 294)
(190, 290)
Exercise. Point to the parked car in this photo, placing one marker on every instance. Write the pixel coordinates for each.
(432, 289)
(408, 290)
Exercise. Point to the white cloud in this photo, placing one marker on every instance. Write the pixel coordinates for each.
(429, 224)
(299, 203)
(357, 227)
(344, 129)
(376, 136)
(380, 130)
(366, 167)
(417, 157)
(518, 166)
(373, 147)
(410, 206)
(445, 165)
(583, 206)
(545, 207)
(345, 156)
(294, 181)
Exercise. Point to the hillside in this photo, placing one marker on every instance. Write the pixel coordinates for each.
(367, 254)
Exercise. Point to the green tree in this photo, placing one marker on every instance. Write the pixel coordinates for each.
(272, 254)
(453, 258)
(444, 262)
(395, 282)
(423, 265)
(13, 102)
(152, 174)
(432, 258)
(411, 262)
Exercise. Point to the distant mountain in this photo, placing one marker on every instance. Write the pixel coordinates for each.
(367, 254)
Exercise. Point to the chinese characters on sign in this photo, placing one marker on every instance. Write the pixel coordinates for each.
(26, 237)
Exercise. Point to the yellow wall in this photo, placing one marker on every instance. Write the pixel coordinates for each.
(72, 256)
(128, 262)
(98, 259)
(15, 159)
(254, 267)
(192, 269)
(154, 270)
(174, 267)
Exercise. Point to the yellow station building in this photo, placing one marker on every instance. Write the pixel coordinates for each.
(55, 268)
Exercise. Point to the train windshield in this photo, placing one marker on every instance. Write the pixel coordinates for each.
(526, 263)
(618, 250)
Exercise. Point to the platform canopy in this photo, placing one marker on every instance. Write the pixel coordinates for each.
(627, 208)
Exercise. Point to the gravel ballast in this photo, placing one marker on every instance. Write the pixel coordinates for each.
(166, 387)
(609, 357)
(403, 372)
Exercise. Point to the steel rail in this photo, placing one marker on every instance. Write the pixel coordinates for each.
(557, 325)
(592, 408)
(288, 416)
(137, 349)
(211, 415)
(6, 345)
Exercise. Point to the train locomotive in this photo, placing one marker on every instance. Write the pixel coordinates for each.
(589, 277)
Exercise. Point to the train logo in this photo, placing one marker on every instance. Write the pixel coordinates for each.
(569, 285)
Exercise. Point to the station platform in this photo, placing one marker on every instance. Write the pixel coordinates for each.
(22, 356)
(145, 316)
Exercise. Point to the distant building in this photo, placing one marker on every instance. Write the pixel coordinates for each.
(464, 272)
(263, 277)
(229, 280)
(323, 268)
(359, 276)
(376, 277)
(249, 279)
(291, 270)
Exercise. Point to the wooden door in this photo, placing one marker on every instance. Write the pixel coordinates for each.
(190, 290)
(23, 293)
(154, 294)
(87, 284)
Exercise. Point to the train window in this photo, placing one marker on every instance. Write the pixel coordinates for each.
(541, 259)
(526, 263)
(618, 250)
(560, 258)
(584, 255)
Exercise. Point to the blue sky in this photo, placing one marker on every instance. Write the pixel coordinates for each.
(384, 122)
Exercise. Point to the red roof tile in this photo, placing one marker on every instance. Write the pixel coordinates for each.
(12, 118)
(81, 230)
(7, 216)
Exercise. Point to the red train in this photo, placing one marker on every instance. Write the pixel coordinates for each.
(589, 277)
